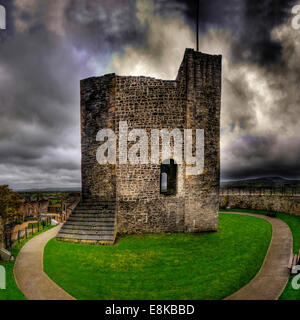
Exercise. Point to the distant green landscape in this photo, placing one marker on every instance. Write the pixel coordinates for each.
(56, 196)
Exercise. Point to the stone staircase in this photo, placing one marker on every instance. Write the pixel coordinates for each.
(92, 222)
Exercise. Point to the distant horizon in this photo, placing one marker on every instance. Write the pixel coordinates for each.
(260, 177)
(78, 188)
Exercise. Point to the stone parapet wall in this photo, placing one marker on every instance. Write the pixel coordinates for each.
(274, 203)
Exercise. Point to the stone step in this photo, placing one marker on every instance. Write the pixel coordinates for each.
(84, 237)
(96, 228)
(94, 211)
(92, 215)
(97, 204)
(90, 219)
(88, 232)
(89, 223)
(95, 207)
(98, 200)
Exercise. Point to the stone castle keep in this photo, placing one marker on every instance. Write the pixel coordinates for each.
(149, 198)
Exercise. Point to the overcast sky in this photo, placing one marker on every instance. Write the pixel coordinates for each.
(50, 45)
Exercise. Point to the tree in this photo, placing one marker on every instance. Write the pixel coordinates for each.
(10, 203)
(9, 207)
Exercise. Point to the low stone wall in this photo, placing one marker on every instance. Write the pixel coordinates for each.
(275, 203)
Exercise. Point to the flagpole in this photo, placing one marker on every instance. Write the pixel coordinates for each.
(197, 31)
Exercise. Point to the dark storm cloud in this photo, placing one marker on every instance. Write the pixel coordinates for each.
(252, 157)
(109, 25)
(218, 13)
(251, 23)
(249, 148)
(260, 18)
(239, 96)
(103, 25)
(39, 124)
(32, 64)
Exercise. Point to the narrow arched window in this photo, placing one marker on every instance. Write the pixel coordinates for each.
(164, 182)
(168, 177)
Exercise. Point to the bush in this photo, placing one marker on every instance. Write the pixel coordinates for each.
(271, 214)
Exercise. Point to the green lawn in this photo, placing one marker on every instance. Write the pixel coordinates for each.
(294, 223)
(163, 266)
(12, 291)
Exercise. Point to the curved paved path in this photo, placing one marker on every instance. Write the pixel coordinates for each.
(29, 270)
(273, 276)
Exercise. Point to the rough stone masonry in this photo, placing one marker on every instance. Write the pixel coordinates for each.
(192, 101)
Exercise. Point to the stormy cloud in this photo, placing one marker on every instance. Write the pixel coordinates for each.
(50, 45)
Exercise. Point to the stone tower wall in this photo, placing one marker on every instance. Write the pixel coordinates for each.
(192, 101)
(200, 75)
(97, 111)
(147, 103)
